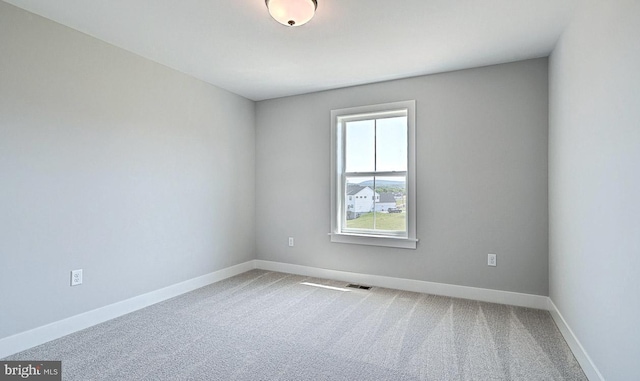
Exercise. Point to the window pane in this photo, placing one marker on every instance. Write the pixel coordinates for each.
(359, 203)
(390, 206)
(360, 146)
(391, 144)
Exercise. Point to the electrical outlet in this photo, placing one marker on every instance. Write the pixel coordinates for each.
(290, 241)
(492, 260)
(76, 277)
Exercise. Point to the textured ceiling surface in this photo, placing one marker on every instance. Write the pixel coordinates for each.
(236, 45)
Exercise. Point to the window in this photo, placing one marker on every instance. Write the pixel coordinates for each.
(373, 159)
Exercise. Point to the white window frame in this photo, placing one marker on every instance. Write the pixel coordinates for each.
(338, 176)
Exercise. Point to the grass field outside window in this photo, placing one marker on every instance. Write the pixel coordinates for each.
(384, 221)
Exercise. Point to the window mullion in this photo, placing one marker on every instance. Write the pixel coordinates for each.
(370, 174)
(375, 167)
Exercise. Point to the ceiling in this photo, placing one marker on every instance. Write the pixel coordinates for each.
(236, 45)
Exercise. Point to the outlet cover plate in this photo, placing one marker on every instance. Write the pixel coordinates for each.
(492, 260)
(76, 277)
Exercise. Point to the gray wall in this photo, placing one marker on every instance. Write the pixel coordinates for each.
(138, 174)
(594, 184)
(482, 179)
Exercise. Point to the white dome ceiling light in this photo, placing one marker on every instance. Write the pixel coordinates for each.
(292, 12)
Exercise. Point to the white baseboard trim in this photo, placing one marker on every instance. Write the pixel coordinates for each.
(464, 292)
(589, 368)
(25, 340)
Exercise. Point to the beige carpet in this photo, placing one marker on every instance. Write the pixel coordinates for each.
(271, 326)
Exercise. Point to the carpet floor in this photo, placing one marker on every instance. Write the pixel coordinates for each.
(264, 325)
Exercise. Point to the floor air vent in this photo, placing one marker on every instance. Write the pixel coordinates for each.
(359, 287)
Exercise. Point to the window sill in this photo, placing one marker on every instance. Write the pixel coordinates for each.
(384, 241)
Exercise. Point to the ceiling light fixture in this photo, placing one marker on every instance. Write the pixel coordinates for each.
(292, 12)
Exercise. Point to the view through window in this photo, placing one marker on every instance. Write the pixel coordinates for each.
(375, 174)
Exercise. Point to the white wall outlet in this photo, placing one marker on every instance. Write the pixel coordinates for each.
(290, 241)
(492, 260)
(76, 277)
